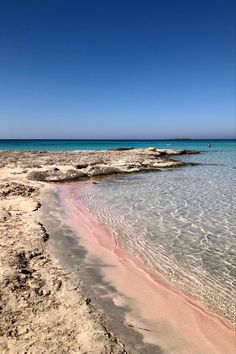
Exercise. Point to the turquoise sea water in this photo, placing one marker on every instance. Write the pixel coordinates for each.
(68, 145)
(180, 222)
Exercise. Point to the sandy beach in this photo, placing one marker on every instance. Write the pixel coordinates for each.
(46, 304)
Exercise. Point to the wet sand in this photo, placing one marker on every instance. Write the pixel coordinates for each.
(152, 307)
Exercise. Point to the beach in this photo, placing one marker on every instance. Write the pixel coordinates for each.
(67, 285)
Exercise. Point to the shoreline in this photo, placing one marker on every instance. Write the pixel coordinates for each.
(43, 306)
(61, 167)
(198, 331)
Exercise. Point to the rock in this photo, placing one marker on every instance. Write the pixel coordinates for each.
(55, 176)
(45, 234)
(72, 175)
(16, 189)
(81, 165)
(38, 175)
(136, 165)
(34, 253)
(58, 285)
(22, 259)
(174, 152)
(87, 300)
(146, 162)
(4, 215)
(122, 149)
(101, 170)
(25, 271)
(38, 205)
(97, 163)
(167, 164)
(100, 162)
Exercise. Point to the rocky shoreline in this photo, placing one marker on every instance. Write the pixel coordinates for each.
(74, 166)
(41, 308)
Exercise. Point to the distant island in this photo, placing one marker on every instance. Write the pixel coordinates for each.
(181, 139)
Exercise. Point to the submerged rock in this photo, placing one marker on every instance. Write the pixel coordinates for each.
(122, 149)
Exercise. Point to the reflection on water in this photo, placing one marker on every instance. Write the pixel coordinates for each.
(179, 222)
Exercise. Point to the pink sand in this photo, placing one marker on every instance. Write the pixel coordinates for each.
(173, 321)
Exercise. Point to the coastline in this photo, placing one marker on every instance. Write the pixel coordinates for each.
(182, 324)
(39, 298)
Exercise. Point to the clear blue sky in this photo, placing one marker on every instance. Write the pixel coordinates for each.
(117, 69)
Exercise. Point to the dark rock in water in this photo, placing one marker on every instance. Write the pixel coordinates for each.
(122, 149)
(188, 152)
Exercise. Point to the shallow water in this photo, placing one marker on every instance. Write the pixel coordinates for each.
(180, 222)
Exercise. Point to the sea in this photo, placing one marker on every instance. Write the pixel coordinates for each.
(180, 222)
(70, 145)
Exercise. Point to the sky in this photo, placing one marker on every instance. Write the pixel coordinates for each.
(117, 69)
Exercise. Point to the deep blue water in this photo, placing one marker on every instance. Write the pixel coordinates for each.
(69, 145)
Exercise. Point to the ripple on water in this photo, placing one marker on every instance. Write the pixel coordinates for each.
(181, 223)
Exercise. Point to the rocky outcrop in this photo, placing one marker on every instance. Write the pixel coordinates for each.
(55, 176)
(14, 189)
(48, 166)
(87, 164)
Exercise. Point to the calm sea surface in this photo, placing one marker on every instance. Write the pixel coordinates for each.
(180, 222)
(68, 145)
